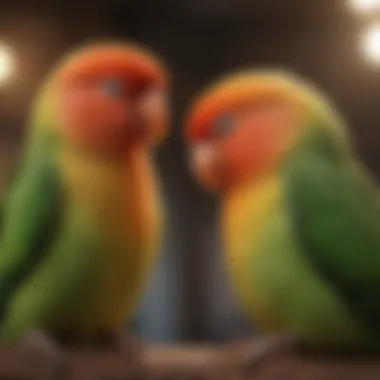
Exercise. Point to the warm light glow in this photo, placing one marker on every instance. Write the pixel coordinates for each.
(371, 44)
(7, 64)
(365, 6)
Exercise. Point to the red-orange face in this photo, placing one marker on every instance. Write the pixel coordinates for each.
(112, 97)
(239, 131)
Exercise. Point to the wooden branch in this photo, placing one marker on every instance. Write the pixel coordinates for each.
(220, 363)
(186, 362)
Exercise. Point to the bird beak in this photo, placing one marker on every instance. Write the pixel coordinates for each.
(153, 108)
(204, 163)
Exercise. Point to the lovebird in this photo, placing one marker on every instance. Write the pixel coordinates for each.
(300, 214)
(81, 220)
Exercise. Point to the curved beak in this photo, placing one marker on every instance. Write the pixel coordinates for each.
(204, 159)
(153, 114)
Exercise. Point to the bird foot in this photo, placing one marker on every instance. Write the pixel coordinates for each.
(251, 355)
(41, 344)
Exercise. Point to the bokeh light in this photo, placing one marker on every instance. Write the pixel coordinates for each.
(7, 64)
(365, 6)
(370, 44)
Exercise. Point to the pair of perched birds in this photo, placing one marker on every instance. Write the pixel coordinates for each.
(81, 220)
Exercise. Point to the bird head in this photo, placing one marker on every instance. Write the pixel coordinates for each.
(244, 126)
(109, 98)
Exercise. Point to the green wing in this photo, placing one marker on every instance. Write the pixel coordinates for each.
(30, 216)
(336, 215)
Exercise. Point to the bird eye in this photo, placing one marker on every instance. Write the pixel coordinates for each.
(223, 125)
(113, 88)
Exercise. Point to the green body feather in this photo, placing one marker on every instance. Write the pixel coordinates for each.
(335, 211)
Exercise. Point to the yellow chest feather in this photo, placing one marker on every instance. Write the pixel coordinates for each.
(122, 201)
(246, 211)
(121, 196)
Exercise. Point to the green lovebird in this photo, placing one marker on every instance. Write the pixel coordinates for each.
(300, 214)
(81, 219)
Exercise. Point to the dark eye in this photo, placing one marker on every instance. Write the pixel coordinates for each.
(223, 125)
(113, 88)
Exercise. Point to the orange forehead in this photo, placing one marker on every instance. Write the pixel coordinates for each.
(236, 91)
(121, 60)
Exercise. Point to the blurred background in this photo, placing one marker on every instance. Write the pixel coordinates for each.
(335, 43)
